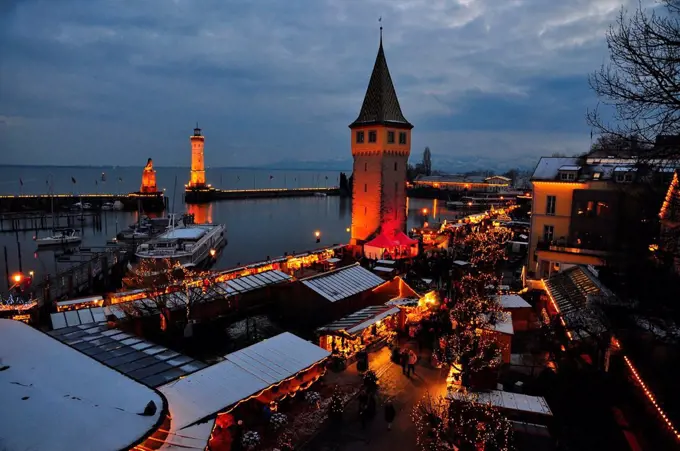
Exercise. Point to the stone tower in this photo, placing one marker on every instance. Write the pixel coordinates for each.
(381, 144)
(197, 165)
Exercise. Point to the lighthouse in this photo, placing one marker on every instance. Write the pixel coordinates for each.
(197, 179)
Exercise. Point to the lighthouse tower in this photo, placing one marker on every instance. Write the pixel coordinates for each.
(197, 164)
(381, 145)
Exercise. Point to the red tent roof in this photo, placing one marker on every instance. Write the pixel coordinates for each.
(404, 239)
(382, 242)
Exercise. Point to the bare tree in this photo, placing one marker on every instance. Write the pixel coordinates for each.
(641, 82)
(169, 287)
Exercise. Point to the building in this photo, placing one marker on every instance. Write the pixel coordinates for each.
(576, 211)
(197, 179)
(670, 223)
(381, 144)
(61, 399)
(464, 183)
(148, 178)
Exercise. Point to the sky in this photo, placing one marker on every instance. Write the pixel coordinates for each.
(113, 82)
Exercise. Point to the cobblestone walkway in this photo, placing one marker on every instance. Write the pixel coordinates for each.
(403, 391)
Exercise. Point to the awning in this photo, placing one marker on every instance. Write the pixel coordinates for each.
(382, 242)
(402, 239)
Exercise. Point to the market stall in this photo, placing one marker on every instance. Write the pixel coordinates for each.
(413, 311)
(356, 332)
(396, 247)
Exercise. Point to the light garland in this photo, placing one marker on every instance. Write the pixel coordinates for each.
(668, 200)
(652, 399)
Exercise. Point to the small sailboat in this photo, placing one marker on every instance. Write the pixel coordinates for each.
(60, 238)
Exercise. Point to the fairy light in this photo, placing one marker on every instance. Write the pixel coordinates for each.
(669, 195)
(652, 398)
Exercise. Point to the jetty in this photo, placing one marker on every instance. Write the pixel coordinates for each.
(150, 202)
(199, 195)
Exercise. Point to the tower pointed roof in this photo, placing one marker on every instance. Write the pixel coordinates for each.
(381, 105)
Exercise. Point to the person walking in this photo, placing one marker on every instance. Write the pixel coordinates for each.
(412, 359)
(390, 413)
(403, 357)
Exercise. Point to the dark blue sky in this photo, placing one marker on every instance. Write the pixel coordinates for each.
(117, 81)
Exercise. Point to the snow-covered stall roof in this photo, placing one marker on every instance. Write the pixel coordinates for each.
(252, 282)
(511, 301)
(513, 401)
(141, 360)
(503, 325)
(242, 374)
(358, 321)
(343, 283)
(56, 398)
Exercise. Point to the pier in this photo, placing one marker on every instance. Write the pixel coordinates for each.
(150, 202)
(205, 195)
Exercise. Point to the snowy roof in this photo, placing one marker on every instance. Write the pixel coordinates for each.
(503, 325)
(334, 260)
(570, 167)
(513, 301)
(343, 283)
(60, 399)
(460, 263)
(383, 269)
(358, 321)
(184, 233)
(386, 262)
(549, 167)
(242, 374)
(252, 282)
(141, 360)
(194, 437)
(513, 401)
(80, 300)
(409, 302)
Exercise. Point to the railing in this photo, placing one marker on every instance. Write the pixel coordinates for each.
(571, 247)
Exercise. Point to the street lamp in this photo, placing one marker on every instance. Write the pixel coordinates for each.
(424, 211)
(317, 234)
(213, 252)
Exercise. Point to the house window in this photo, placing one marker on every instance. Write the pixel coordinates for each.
(567, 176)
(548, 233)
(550, 206)
(365, 187)
(396, 165)
(390, 137)
(360, 137)
(402, 137)
(626, 178)
(372, 136)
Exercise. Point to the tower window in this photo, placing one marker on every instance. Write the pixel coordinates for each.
(372, 136)
(365, 166)
(365, 210)
(396, 165)
(390, 137)
(360, 137)
(365, 187)
(402, 137)
(396, 187)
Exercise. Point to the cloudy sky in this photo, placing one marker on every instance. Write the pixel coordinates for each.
(117, 81)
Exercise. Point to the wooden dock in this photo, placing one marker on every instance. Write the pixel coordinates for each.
(40, 220)
(205, 195)
(150, 202)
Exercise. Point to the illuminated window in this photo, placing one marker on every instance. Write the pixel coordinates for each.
(372, 136)
(402, 137)
(550, 205)
(597, 175)
(360, 137)
(390, 137)
(602, 209)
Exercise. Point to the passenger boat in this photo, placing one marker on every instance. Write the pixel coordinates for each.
(321, 194)
(60, 238)
(187, 244)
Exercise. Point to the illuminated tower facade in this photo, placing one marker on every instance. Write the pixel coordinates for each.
(149, 178)
(197, 163)
(381, 145)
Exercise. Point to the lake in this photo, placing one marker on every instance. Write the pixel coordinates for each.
(255, 228)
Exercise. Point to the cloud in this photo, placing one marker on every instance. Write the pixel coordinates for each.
(113, 82)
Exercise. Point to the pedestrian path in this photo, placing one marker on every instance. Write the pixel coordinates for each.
(403, 391)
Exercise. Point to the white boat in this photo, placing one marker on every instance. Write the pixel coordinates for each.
(320, 194)
(81, 206)
(118, 205)
(60, 238)
(107, 206)
(187, 244)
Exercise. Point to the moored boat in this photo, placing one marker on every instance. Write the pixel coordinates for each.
(60, 238)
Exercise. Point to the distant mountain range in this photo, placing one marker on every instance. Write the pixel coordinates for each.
(447, 163)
